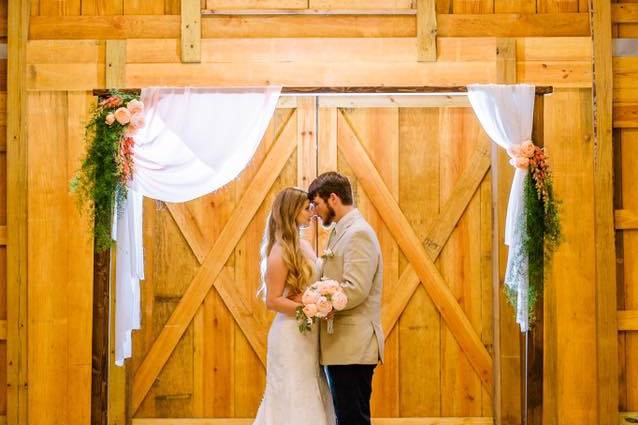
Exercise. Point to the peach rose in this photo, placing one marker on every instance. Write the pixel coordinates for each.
(514, 151)
(528, 148)
(111, 102)
(310, 310)
(323, 307)
(137, 120)
(122, 115)
(110, 119)
(520, 162)
(135, 106)
(330, 287)
(310, 297)
(339, 301)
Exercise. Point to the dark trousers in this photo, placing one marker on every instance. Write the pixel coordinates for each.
(351, 387)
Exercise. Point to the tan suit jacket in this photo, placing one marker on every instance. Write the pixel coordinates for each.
(353, 257)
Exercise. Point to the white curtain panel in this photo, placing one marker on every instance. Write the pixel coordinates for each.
(506, 113)
(195, 141)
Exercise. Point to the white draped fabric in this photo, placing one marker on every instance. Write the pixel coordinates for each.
(194, 141)
(506, 114)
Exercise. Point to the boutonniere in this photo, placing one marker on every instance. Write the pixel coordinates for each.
(327, 253)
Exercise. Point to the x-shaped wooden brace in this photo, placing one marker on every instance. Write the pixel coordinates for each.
(212, 272)
(422, 264)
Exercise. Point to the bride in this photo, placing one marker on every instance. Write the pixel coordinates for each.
(296, 387)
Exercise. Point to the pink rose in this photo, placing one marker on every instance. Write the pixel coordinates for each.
(528, 148)
(330, 287)
(514, 151)
(111, 102)
(135, 106)
(110, 119)
(323, 307)
(520, 162)
(137, 120)
(310, 297)
(122, 115)
(339, 301)
(310, 310)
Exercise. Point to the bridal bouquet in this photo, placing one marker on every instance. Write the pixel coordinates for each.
(319, 300)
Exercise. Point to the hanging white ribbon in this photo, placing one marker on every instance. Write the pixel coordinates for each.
(506, 113)
(195, 140)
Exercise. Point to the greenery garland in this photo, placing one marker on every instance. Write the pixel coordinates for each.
(542, 233)
(101, 183)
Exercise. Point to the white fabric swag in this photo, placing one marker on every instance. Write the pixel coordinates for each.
(506, 113)
(194, 142)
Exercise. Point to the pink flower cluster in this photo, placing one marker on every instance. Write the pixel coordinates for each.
(322, 297)
(319, 300)
(131, 116)
(533, 158)
(521, 154)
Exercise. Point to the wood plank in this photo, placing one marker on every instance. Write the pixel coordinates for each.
(624, 13)
(607, 346)
(193, 234)
(102, 7)
(360, 5)
(375, 421)
(626, 219)
(255, 4)
(115, 71)
(419, 322)
(17, 177)
(3, 330)
(426, 30)
(210, 270)
(625, 418)
(625, 115)
(307, 153)
(191, 31)
(628, 320)
(506, 60)
(168, 26)
(117, 393)
(570, 360)
(412, 248)
(390, 101)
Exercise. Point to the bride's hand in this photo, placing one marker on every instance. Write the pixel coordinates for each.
(295, 297)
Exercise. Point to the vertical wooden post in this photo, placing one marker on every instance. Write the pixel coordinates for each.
(191, 34)
(307, 152)
(115, 72)
(426, 30)
(507, 363)
(606, 326)
(100, 358)
(17, 186)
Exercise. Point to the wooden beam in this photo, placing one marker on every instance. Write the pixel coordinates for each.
(3, 330)
(607, 338)
(625, 115)
(100, 337)
(17, 186)
(375, 421)
(208, 273)
(319, 12)
(426, 30)
(246, 26)
(506, 60)
(191, 31)
(360, 90)
(3, 235)
(115, 64)
(628, 320)
(429, 275)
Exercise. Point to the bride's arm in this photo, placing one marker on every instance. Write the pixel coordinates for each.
(276, 282)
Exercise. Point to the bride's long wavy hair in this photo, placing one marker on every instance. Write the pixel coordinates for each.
(281, 226)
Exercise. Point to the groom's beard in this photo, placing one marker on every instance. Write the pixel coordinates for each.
(331, 216)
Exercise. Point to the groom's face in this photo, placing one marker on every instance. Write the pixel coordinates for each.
(324, 211)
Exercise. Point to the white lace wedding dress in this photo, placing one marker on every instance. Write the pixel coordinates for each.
(296, 388)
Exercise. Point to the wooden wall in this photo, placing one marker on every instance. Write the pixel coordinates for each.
(625, 122)
(71, 50)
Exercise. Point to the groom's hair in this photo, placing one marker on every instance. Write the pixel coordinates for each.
(331, 182)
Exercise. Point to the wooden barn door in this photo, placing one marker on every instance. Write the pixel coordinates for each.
(420, 176)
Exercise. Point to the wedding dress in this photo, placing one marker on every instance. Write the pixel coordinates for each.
(296, 387)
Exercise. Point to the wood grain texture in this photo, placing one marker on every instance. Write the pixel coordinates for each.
(17, 219)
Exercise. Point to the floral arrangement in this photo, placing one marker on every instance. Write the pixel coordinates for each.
(319, 300)
(107, 167)
(542, 232)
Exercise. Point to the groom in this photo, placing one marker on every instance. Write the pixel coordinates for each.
(352, 257)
